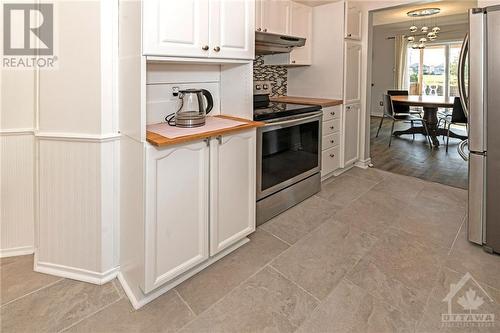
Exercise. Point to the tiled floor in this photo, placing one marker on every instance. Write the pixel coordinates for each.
(373, 252)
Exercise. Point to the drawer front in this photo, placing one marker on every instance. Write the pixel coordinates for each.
(331, 126)
(330, 160)
(330, 140)
(332, 112)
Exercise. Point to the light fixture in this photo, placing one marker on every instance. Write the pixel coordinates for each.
(414, 46)
(422, 40)
(424, 29)
(423, 12)
(436, 30)
(413, 28)
(421, 46)
(432, 35)
(411, 39)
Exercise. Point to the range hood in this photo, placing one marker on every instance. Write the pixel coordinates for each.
(268, 43)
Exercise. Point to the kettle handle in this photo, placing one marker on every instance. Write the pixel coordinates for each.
(210, 100)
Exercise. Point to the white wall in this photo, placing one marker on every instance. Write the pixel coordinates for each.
(60, 150)
(383, 72)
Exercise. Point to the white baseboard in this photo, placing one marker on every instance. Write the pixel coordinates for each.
(138, 303)
(76, 273)
(17, 251)
(363, 164)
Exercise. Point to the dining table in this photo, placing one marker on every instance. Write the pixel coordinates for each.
(430, 105)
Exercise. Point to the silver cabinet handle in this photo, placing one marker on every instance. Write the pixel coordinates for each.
(219, 139)
(259, 29)
(332, 113)
(349, 35)
(293, 61)
(205, 48)
(332, 141)
(265, 30)
(216, 49)
(332, 155)
(332, 127)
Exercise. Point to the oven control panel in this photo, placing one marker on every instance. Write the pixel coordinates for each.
(261, 87)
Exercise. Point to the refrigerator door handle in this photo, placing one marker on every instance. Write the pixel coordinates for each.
(461, 150)
(462, 89)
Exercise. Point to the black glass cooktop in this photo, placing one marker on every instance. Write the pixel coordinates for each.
(278, 110)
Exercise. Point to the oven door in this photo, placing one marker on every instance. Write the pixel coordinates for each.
(288, 151)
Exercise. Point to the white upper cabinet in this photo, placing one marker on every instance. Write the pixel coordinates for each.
(353, 19)
(301, 26)
(232, 189)
(199, 28)
(352, 75)
(176, 233)
(232, 28)
(176, 28)
(273, 16)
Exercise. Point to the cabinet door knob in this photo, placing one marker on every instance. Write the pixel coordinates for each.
(293, 61)
(332, 141)
(259, 29)
(219, 139)
(332, 127)
(332, 113)
(349, 35)
(265, 30)
(205, 48)
(332, 155)
(216, 49)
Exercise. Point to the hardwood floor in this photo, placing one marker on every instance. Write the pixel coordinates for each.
(415, 158)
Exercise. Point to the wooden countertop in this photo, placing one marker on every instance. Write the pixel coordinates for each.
(162, 141)
(324, 102)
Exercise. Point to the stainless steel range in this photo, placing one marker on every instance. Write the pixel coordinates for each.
(288, 153)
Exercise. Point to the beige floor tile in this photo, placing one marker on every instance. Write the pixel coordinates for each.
(168, 313)
(375, 175)
(484, 266)
(442, 196)
(56, 307)
(320, 261)
(400, 187)
(373, 212)
(298, 221)
(432, 321)
(267, 302)
(351, 309)
(210, 285)
(18, 278)
(344, 189)
(399, 271)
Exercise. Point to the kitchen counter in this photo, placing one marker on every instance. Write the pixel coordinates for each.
(324, 102)
(159, 140)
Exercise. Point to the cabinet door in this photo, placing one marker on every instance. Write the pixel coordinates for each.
(232, 189)
(352, 75)
(175, 28)
(232, 29)
(275, 16)
(351, 134)
(352, 22)
(176, 233)
(301, 26)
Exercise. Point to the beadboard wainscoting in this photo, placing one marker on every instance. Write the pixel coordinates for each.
(17, 192)
(78, 208)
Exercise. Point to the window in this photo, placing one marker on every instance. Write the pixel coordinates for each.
(433, 71)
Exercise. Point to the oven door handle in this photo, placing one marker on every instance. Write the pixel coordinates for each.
(294, 121)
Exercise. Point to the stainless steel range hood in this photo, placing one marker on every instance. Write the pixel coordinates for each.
(268, 43)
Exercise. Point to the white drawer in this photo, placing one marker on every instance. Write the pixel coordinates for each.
(332, 112)
(331, 126)
(330, 141)
(330, 160)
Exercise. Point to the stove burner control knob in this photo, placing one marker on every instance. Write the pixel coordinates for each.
(265, 86)
(257, 87)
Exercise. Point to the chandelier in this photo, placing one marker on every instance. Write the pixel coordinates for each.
(420, 36)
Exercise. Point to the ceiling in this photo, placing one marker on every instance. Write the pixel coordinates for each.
(314, 3)
(451, 12)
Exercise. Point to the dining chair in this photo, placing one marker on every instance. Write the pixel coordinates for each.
(389, 113)
(404, 109)
(457, 117)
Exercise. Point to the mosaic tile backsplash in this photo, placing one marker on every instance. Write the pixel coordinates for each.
(276, 74)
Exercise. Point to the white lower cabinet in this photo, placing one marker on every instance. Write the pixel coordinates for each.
(351, 124)
(331, 140)
(200, 199)
(232, 189)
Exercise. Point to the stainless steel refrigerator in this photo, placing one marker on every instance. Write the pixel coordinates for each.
(480, 66)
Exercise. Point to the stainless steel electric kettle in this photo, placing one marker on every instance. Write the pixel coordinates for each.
(192, 111)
